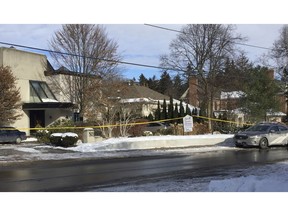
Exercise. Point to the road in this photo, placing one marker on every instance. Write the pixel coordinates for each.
(78, 175)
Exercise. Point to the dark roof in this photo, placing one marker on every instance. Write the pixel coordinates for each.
(136, 91)
(65, 71)
(46, 105)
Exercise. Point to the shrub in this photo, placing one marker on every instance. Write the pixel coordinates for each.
(138, 129)
(56, 139)
(168, 131)
(42, 135)
(68, 141)
(63, 139)
(198, 128)
(59, 126)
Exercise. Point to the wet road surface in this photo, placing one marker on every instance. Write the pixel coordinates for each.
(78, 175)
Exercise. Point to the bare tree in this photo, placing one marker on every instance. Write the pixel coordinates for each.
(10, 99)
(279, 53)
(201, 50)
(86, 52)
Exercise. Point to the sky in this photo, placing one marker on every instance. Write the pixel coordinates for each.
(138, 43)
(125, 23)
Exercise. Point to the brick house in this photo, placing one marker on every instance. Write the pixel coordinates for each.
(228, 102)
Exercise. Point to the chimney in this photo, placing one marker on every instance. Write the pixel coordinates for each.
(193, 97)
(270, 74)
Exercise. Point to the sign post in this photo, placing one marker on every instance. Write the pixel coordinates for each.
(188, 123)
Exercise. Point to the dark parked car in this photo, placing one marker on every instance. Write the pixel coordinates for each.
(11, 135)
(263, 135)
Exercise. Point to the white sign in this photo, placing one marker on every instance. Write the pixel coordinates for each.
(188, 123)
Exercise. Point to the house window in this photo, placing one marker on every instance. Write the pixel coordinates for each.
(76, 117)
(40, 92)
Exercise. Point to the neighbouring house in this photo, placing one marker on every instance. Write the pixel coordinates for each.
(229, 102)
(40, 106)
(146, 99)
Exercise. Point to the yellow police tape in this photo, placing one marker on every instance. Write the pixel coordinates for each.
(128, 124)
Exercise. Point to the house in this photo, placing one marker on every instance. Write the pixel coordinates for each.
(44, 102)
(40, 106)
(146, 98)
(229, 102)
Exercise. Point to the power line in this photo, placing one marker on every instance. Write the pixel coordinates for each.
(182, 32)
(89, 57)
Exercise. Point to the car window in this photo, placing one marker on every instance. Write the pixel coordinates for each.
(274, 128)
(282, 128)
(259, 128)
(154, 124)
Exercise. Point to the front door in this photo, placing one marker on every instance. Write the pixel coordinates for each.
(37, 118)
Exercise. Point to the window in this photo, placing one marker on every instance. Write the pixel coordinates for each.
(282, 128)
(40, 92)
(274, 128)
(76, 117)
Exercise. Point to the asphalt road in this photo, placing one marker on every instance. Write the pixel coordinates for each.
(79, 175)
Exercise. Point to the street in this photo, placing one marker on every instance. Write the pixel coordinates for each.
(80, 175)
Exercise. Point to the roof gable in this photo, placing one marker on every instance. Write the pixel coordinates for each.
(135, 91)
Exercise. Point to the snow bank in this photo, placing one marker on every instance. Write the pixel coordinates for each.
(270, 178)
(152, 142)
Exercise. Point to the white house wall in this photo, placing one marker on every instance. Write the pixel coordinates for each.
(25, 65)
(52, 115)
(58, 84)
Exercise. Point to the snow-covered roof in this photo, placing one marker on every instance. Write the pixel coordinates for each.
(232, 94)
(137, 100)
(276, 114)
(152, 101)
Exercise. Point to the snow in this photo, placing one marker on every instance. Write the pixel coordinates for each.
(49, 100)
(233, 94)
(69, 134)
(267, 178)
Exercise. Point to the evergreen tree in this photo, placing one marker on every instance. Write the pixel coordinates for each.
(150, 117)
(158, 112)
(170, 109)
(188, 110)
(165, 84)
(164, 110)
(260, 94)
(153, 83)
(181, 112)
(176, 111)
(142, 80)
(178, 87)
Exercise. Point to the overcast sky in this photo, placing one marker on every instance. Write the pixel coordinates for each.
(139, 43)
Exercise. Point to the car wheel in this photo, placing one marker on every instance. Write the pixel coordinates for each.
(263, 144)
(18, 140)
